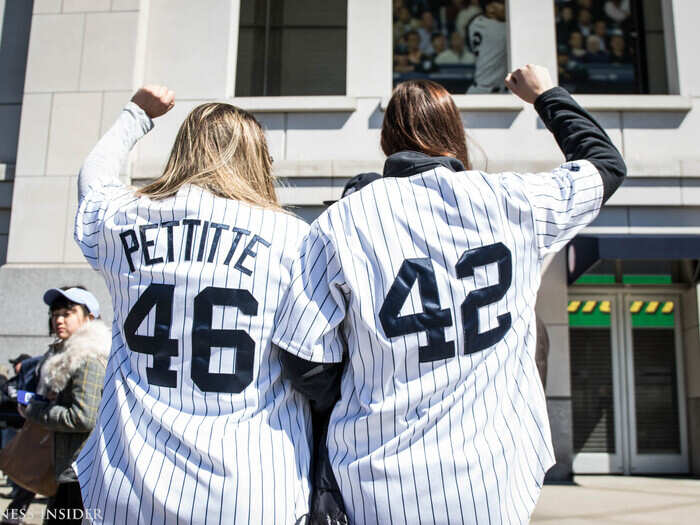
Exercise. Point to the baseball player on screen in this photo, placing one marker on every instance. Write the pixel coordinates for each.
(425, 281)
(196, 424)
(486, 38)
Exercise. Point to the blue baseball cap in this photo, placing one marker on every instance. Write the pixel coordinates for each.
(76, 295)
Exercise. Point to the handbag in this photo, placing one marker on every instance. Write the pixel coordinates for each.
(28, 459)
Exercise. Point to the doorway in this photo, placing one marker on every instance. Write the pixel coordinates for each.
(627, 384)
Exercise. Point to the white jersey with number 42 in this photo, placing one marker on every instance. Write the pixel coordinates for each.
(430, 281)
(196, 424)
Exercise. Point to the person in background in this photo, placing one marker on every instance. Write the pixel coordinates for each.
(71, 375)
(594, 52)
(28, 372)
(570, 70)
(600, 29)
(585, 22)
(457, 53)
(425, 31)
(395, 6)
(404, 24)
(542, 350)
(439, 43)
(419, 60)
(618, 10)
(565, 23)
(618, 49)
(450, 13)
(576, 50)
(417, 7)
(402, 64)
(592, 6)
(488, 41)
(466, 15)
(10, 386)
(8, 406)
(17, 362)
(563, 67)
(21, 497)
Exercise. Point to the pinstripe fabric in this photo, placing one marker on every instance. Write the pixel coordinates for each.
(464, 439)
(182, 454)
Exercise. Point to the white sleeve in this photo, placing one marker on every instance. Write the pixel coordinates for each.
(310, 314)
(468, 42)
(98, 181)
(102, 165)
(88, 224)
(564, 202)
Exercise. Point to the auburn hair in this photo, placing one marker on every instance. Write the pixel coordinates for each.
(421, 116)
(222, 149)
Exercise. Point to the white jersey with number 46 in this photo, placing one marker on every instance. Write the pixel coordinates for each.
(196, 424)
(429, 283)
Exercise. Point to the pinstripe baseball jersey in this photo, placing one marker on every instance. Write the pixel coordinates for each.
(196, 424)
(428, 284)
(486, 38)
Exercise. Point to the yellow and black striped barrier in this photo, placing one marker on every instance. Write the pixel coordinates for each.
(636, 307)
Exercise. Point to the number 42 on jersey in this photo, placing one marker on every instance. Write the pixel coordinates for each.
(433, 319)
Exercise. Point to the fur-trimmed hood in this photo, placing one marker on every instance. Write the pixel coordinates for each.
(93, 340)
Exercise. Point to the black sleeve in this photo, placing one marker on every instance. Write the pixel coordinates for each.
(319, 382)
(326, 499)
(580, 137)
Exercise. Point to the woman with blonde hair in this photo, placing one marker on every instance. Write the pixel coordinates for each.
(196, 424)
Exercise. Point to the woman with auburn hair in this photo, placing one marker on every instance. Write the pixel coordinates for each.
(196, 424)
(421, 116)
(419, 291)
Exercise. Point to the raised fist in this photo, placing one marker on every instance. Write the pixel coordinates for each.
(154, 100)
(529, 82)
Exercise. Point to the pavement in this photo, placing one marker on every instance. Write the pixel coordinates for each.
(599, 500)
(35, 512)
(618, 500)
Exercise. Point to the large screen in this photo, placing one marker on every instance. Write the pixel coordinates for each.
(611, 46)
(461, 44)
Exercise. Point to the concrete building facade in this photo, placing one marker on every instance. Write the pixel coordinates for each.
(82, 59)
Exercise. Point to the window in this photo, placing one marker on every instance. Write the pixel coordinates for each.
(291, 47)
(611, 46)
(461, 44)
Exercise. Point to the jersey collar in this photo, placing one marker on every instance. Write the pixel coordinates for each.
(407, 163)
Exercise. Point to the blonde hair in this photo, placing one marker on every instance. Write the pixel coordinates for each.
(222, 149)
